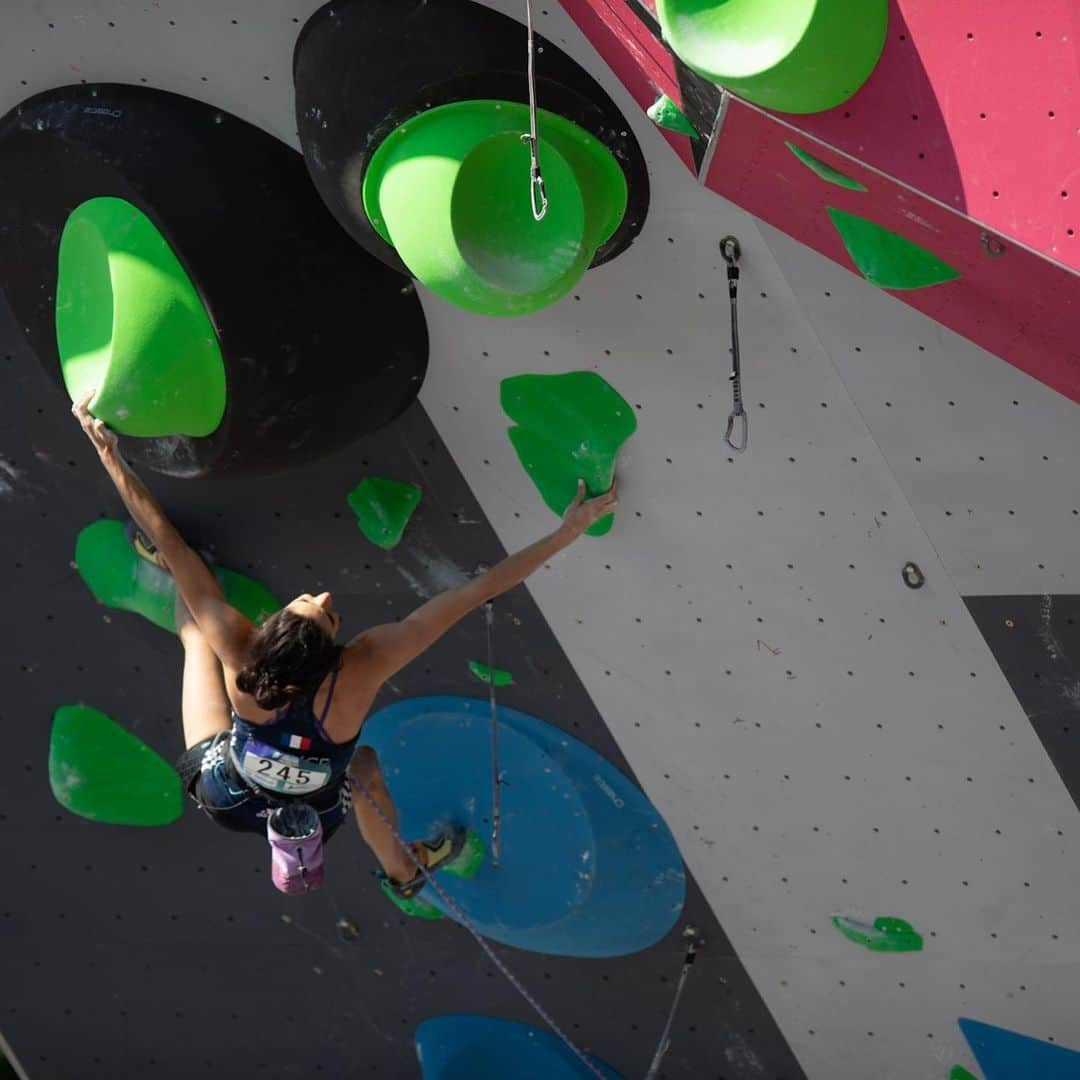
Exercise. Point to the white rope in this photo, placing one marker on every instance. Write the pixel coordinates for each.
(464, 920)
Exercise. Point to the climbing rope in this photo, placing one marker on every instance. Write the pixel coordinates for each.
(496, 779)
(514, 981)
(693, 943)
(729, 247)
(536, 179)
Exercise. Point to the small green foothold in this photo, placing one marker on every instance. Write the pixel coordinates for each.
(958, 1072)
(119, 578)
(413, 906)
(383, 508)
(570, 426)
(102, 772)
(491, 675)
(888, 934)
(824, 170)
(663, 112)
(469, 859)
(887, 259)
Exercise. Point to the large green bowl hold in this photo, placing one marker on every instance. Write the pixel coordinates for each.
(450, 190)
(131, 326)
(796, 56)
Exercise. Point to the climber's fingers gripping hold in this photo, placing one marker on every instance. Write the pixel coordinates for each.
(97, 431)
(582, 512)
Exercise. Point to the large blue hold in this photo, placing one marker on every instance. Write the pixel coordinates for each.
(1004, 1055)
(588, 867)
(481, 1048)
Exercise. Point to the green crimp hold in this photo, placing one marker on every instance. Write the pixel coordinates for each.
(119, 578)
(958, 1072)
(663, 112)
(468, 861)
(886, 935)
(570, 426)
(102, 772)
(383, 508)
(493, 675)
(886, 259)
(131, 325)
(825, 171)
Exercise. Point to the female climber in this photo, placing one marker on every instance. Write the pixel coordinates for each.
(272, 713)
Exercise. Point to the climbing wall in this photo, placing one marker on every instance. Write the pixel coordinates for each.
(821, 739)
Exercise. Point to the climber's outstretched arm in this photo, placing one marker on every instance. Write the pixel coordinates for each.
(384, 650)
(227, 630)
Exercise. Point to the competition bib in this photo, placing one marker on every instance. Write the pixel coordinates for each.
(285, 773)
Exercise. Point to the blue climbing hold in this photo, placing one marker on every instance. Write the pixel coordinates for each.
(482, 1048)
(587, 865)
(1004, 1055)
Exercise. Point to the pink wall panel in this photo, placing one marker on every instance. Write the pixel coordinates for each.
(977, 104)
(1018, 306)
(641, 62)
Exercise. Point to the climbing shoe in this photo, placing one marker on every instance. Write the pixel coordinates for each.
(457, 851)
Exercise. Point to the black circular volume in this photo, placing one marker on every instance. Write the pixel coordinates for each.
(321, 342)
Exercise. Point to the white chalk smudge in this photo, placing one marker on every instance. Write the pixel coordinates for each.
(1046, 629)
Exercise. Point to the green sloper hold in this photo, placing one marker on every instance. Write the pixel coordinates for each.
(383, 508)
(798, 56)
(449, 189)
(886, 935)
(130, 324)
(958, 1072)
(491, 675)
(121, 579)
(570, 426)
(663, 112)
(825, 171)
(102, 772)
(886, 259)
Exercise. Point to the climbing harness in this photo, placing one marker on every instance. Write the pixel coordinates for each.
(461, 917)
(694, 941)
(536, 179)
(496, 779)
(729, 248)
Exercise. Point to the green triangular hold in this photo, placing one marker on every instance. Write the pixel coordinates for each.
(491, 675)
(825, 171)
(469, 859)
(663, 112)
(570, 426)
(415, 907)
(958, 1072)
(131, 325)
(102, 772)
(383, 508)
(119, 578)
(888, 934)
(886, 259)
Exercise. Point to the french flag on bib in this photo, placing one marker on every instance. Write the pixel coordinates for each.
(297, 742)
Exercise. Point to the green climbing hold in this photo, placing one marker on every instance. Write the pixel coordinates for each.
(102, 772)
(414, 906)
(492, 675)
(798, 56)
(569, 427)
(958, 1072)
(469, 859)
(886, 259)
(131, 325)
(449, 189)
(888, 934)
(664, 113)
(383, 508)
(119, 578)
(825, 171)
